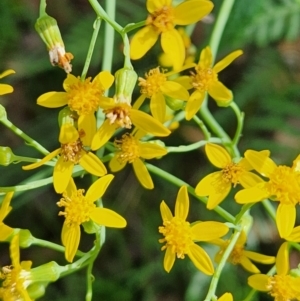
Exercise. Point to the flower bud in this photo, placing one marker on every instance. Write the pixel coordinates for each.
(65, 115)
(125, 80)
(6, 156)
(3, 115)
(49, 32)
(175, 104)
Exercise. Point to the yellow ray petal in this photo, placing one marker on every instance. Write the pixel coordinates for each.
(227, 60)
(151, 150)
(68, 133)
(259, 282)
(248, 179)
(264, 259)
(282, 260)
(137, 104)
(53, 99)
(5, 206)
(92, 164)
(7, 72)
(184, 81)
(248, 265)
(226, 297)
(142, 41)
(174, 90)
(169, 259)
(153, 5)
(104, 133)
(5, 232)
(14, 251)
(158, 107)
(172, 45)
(115, 165)
(70, 236)
(191, 11)
(182, 203)
(165, 211)
(251, 195)
(217, 155)
(220, 93)
(87, 128)
(98, 188)
(108, 218)
(62, 174)
(200, 259)
(295, 235)
(69, 81)
(206, 231)
(5, 89)
(105, 79)
(142, 173)
(148, 124)
(285, 219)
(194, 103)
(206, 58)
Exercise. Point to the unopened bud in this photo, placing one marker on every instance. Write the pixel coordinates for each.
(175, 104)
(49, 32)
(65, 115)
(6, 156)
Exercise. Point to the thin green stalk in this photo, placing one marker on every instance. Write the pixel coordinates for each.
(43, 5)
(269, 208)
(21, 134)
(240, 123)
(202, 126)
(220, 26)
(132, 26)
(178, 182)
(191, 147)
(97, 25)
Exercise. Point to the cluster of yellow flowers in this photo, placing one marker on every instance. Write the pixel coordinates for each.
(81, 136)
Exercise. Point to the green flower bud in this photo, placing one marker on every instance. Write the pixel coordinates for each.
(6, 156)
(46, 273)
(125, 80)
(49, 32)
(66, 116)
(175, 104)
(3, 115)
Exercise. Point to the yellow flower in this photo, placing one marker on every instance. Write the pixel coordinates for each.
(72, 152)
(155, 86)
(5, 231)
(205, 79)
(283, 186)
(131, 150)
(282, 286)
(16, 277)
(121, 114)
(4, 88)
(82, 97)
(218, 184)
(226, 297)
(241, 256)
(162, 21)
(180, 236)
(80, 208)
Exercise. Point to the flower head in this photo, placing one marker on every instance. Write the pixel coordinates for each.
(162, 19)
(205, 80)
(180, 236)
(72, 152)
(80, 208)
(4, 88)
(283, 186)
(131, 150)
(218, 184)
(5, 231)
(282, 286)
(241, 256)
(154, 86)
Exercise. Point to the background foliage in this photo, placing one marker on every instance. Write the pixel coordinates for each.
(265, 82)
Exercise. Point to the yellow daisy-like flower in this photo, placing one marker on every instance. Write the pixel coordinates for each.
(282, 286)
(16, 277)
(131, 150)
(122, 115)
(180, 236)
(205, 79)
(241, 256)
(4, 88)
(5, 231)
(82, 97)
(162, 21)
(283, 186)
(154, 86)
(80, 208)
(72, 152)
(218, 184)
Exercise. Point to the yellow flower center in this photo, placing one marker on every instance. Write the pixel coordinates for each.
(284, 185)
(231, 173)
(128, 148)
(281, 289)
(77, 208)
(236, 253)
(177, 236)
(84, 96)
(154, 80)
(202, 78)
(119, 115)
(162, 19)
(72, 151)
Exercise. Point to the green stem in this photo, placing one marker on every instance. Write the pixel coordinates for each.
(178, 182)
(43, 5)
(219, 26)
(240, 123)
(191, 147)
(97, 25)
(132, 26)
(202, 126)
(25, 137)
(270, 209)
(213, 285)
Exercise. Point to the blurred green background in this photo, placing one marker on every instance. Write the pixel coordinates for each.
(265, 82)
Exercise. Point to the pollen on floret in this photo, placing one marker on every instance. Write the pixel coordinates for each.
(84, 96)
(202, 78)
(284, 185)
(128, 149)
(162, 19)
(177, 236)
(78, 208)
(72, 151)
(119, 115)
(152, 82)
(231, 173)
